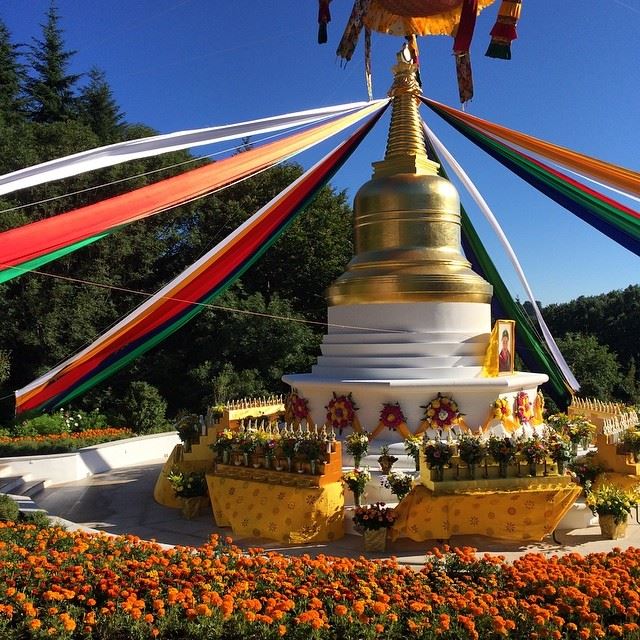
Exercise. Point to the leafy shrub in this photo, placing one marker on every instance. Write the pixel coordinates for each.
(8, 508)
(143, 409)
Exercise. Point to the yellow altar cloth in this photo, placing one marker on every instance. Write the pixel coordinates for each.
(291, 514)
(522, 514)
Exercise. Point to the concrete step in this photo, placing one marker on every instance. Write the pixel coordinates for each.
(33, 488)
(11, 484)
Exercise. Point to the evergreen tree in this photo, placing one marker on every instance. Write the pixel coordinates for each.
(11, 79)
(99, 110)
(51, 90)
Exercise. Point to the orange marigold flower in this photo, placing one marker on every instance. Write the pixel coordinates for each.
(282, 630)
(340, 610)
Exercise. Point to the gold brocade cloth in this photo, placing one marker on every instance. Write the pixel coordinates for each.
(278, 512)
(525, 514)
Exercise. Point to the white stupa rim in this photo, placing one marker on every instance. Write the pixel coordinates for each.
(519, 380)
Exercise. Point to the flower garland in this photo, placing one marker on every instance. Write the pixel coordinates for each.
(501, 410)
(524, 410)
(392, 418)
(341, 413)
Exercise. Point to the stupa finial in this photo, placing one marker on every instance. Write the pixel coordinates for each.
(406, 151)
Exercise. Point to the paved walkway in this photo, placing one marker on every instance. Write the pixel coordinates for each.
(122, 502)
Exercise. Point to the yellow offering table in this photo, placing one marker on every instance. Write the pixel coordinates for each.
(522, 511)
(287, 507)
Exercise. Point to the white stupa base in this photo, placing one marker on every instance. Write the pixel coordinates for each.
(474, 397)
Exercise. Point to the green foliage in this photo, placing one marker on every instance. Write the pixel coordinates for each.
(98, 109)
(5, 365)
(614, 320)
(50, 89)
(593, 364)
(143, 409)
(9, 510)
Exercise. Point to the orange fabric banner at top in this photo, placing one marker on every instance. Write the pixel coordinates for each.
(611, 174)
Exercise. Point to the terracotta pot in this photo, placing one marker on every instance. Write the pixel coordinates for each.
(386, 462)
(375, 540)
(610, 530)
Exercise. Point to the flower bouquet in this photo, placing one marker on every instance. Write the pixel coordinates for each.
(190, 487)
(586, 470)
(357, 445)
(438, 454)
(288, 446)
(559, 451)
(534, 451)
(472, 451)
(613, 506)
(188, 428)
(222, 445)
(311, 450)
(356, 480)
(248, 443)
(398, 482)
(187, 484)
(503, 451)
(373, 521)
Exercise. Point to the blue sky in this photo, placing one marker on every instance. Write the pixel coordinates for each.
(574, 80)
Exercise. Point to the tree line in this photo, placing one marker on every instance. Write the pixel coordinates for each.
(48, 112)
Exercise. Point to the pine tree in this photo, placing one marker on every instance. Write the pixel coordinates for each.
(99, 110)
(11, 78)
(51, 91)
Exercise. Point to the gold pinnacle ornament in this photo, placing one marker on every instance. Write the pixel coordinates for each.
(407, 221)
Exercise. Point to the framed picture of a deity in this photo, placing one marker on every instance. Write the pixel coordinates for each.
(506, 346)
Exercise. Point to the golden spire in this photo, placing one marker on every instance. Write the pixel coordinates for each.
(407, 220)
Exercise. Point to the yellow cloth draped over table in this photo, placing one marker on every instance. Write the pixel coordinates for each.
(525, 514)
(278, 512)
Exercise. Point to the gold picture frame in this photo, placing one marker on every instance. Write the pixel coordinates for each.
(506, 346)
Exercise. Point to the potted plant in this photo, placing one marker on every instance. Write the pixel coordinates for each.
(534, 451)
(398, 482)
(191, 487)
(438, 454)
(356, 480)
(357, 445)
(386, 460)
(503, 451)
(188, 428)
(631, 442)
(374, 521)
(472, 452)
(412, 447)
(613, 506)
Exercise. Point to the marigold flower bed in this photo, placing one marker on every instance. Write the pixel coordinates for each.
(59, 442)
(55, 583)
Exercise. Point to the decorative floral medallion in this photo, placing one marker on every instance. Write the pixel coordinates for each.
(441, 413)
(341, 412)
(297, 407)
(391, 416)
